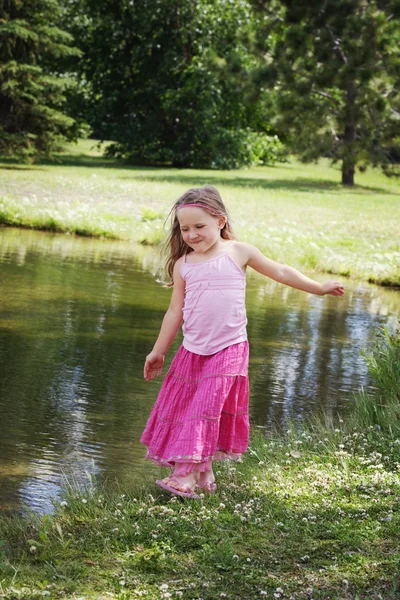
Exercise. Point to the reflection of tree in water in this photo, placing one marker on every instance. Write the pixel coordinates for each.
(17, 244)
(305, 352)
(73, 355)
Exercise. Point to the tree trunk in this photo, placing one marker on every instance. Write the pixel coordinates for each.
(186, 45)
(349, 138)
(348, 169)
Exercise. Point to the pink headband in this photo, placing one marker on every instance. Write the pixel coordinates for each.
(210, 210)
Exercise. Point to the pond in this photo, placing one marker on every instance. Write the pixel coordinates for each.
(78, 317)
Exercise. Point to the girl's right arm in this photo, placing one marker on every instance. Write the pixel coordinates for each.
(169, 328)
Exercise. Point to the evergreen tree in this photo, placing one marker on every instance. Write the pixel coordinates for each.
(336, 68)
(32, 94)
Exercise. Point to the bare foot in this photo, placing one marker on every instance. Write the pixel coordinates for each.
(181, 483)
(207, 481)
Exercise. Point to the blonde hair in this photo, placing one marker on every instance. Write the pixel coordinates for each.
(207, 196)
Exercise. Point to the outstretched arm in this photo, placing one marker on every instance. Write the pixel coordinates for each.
(169, 327)
(288, 275)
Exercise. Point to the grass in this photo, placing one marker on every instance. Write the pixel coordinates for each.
(310, 513)
(296, 214)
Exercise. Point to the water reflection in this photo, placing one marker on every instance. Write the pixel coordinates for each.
(78, 317)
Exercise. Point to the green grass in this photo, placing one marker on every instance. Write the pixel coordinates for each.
(300, 513)
(297, 214)
(312, 512)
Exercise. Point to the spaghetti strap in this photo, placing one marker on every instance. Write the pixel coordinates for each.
(182, 265)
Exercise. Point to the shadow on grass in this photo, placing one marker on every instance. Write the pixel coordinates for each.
(299, 184)
(19, 168)
(65, 160)
(83, 160)
(191, 177)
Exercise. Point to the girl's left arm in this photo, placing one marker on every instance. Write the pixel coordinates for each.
(288, 275)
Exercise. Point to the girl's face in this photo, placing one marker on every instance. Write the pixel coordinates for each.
(200, 230)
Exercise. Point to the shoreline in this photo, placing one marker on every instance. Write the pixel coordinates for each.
(54, 227)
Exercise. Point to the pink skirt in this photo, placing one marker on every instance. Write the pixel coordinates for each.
(201, 412)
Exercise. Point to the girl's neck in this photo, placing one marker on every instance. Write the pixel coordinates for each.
(217, 249)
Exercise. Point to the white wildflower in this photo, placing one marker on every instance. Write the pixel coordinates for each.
(295, 454)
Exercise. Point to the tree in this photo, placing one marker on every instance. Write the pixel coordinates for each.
(32, 94)
(336, 68)
(168, 80)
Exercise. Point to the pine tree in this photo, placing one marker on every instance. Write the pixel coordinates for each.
(32, 93)
(335, 66)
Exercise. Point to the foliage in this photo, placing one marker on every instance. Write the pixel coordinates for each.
(335, 68)
(383, 361)
(235, 148)
(380, 408)
(168, 81)
(31, 93)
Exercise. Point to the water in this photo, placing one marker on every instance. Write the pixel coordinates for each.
(78, 317)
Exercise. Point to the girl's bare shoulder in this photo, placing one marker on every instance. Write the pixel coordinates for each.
(240, 252)
(177, 267)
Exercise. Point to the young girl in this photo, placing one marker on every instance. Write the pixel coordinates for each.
(201, 413)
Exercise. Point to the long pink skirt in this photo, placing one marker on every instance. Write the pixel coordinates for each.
(201, 412)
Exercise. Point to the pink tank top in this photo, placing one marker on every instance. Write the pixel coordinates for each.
(214, 311)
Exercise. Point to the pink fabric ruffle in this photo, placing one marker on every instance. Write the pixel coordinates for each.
(201, 413)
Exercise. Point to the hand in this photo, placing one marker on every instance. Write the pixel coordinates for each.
(153, 365)
(334, 288)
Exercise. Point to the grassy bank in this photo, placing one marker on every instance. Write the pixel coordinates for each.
(298, 214)
(309, 513)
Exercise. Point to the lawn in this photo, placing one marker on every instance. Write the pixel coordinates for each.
(297, 214)
(303, 517)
